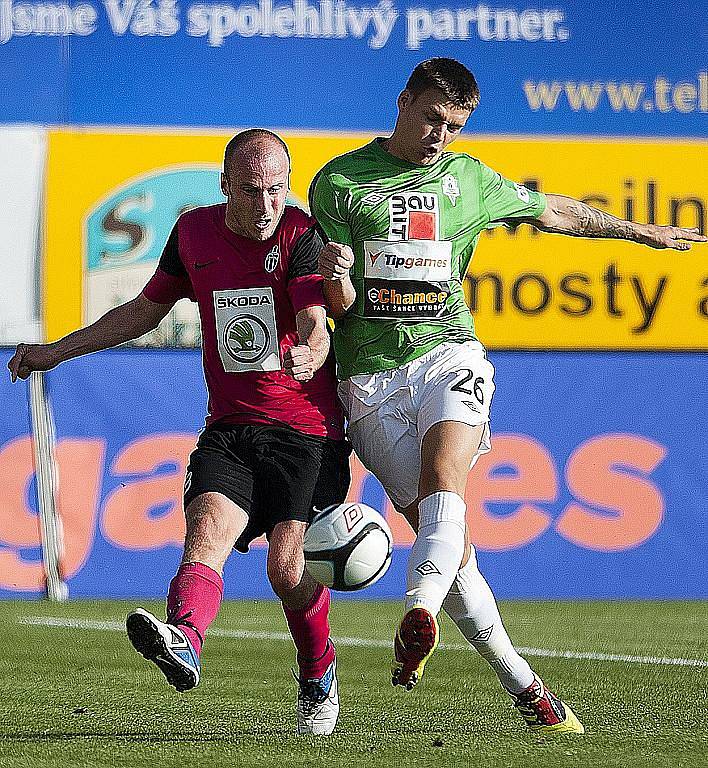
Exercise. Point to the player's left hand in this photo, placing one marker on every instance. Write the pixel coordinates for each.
(657, 236)
(299, 363)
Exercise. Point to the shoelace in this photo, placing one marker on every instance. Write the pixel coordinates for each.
(176, 620)
(535, 712)
(311, 693)
(528, 712)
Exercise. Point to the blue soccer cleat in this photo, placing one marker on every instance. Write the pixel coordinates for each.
(166, 646)
(318, 703)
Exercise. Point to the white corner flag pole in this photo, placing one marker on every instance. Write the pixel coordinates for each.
(43, 442)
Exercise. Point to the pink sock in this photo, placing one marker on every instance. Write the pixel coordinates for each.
(309, 627)
(193, 600)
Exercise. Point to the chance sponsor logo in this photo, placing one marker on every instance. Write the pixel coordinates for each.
(404, 299)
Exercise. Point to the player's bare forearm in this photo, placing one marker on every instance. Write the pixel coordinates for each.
(567, 216)
(335, 261)
(312, 332)
(340, 296)
(123, 323)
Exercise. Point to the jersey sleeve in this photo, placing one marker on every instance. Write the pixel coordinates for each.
(304, 283)
(504, 199)
(171, 281)
(326, 205)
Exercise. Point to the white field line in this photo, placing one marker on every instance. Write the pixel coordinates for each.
(361, 642)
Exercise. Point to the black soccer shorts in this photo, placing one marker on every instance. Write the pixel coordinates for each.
(273, 473)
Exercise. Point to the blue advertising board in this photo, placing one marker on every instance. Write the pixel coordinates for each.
(564, 67)
(595, 487)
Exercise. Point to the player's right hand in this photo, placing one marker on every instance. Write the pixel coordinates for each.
(31, 357)
(657, 236)
(335, 261)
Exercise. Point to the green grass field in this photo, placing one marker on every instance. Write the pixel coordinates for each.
(81, 696)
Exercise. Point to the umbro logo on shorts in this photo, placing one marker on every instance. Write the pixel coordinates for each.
(427, 567)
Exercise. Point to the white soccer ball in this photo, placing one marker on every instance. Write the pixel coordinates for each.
(348, 546)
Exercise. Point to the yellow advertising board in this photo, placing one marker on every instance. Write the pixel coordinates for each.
(111, 196)
(540, 291)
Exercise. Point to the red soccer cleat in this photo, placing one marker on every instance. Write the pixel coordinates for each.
(415, 641)
(544, 712)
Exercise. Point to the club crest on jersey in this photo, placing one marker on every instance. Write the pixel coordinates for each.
(450, 188)
(413, 216)
(272, 259)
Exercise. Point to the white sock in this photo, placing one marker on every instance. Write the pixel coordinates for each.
(437, 552)
(471, 605)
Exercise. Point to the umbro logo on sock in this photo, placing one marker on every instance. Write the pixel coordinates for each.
(483, 635)
(427, 567)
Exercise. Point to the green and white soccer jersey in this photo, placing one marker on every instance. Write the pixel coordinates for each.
(413, 230)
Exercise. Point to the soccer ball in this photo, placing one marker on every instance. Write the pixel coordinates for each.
(348, 546)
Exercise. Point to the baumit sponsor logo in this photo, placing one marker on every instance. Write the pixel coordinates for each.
(414, 216)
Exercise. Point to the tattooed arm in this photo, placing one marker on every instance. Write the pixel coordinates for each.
(567, 216)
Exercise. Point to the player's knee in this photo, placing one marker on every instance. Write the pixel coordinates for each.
(443, 473)
(285, 576)
(209, 526)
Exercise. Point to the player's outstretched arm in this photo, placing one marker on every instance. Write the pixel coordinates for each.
(335, 261)
(123, 323)
(567, 216)
(308, 356)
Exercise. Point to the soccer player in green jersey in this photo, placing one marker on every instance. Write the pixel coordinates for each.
(402, 217)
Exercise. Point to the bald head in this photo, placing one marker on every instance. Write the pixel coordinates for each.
(256, 144)
(255, 182)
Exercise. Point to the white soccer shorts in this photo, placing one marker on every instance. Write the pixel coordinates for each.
(389, 412)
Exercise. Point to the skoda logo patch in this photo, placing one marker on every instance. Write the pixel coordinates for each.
(246, 338)
(272, 259)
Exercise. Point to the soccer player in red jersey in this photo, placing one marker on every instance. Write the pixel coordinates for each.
(273, 446)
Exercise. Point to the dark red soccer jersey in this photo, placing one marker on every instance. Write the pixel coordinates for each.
(249, 293)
